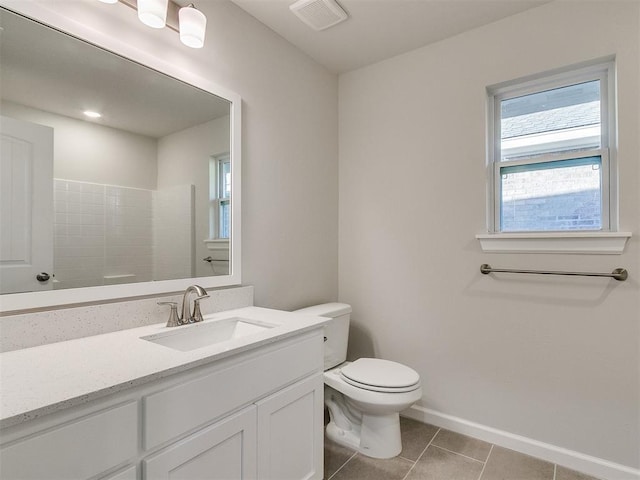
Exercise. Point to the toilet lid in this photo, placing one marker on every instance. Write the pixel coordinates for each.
(381, 375)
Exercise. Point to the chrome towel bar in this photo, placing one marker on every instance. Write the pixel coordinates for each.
(619, 274)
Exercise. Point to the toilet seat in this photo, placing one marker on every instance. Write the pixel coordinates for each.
(380, 376)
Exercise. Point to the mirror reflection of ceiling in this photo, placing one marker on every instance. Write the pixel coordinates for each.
(40, 70)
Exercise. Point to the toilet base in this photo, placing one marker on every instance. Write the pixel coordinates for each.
(377, 436)
(367, 421)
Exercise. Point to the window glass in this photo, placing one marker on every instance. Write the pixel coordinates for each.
(220, 197)
(225, 219)
(224, 177)
(548, 196)
(558, 120)
(224, 189)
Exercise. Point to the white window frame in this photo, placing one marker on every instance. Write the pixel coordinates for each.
(556, 241)
(216, 200)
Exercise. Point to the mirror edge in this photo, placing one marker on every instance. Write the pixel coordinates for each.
(15, 303)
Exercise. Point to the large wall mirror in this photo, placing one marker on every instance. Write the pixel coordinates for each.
(116, 179)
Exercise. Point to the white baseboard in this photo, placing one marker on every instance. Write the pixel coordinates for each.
(580, 462)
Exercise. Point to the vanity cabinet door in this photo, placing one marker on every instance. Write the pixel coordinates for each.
(290, 432)
(130, 473)
(223, 451)
(78, 449)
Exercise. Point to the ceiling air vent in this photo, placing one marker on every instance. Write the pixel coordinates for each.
(319, 14)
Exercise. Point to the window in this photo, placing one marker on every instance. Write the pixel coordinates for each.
(551, 164)
(220, 194)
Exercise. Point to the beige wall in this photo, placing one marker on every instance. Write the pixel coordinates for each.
(290, 157)
(553, 359)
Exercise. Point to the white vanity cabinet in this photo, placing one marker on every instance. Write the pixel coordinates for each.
(79, 447)
(225, 450)
(129, 473)
(257, 414)
(291, 432)
(277, 438)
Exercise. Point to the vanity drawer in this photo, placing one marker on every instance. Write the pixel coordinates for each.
(179, 409)
(79, 449)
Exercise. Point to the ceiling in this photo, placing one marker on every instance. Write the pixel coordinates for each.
(380, 29)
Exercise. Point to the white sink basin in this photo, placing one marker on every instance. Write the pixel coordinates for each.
(190, 337)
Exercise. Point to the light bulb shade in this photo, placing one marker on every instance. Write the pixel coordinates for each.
(193, 24)
(153, 12)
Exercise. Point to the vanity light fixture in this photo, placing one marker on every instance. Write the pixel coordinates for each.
(193, 24)
(188, 21)
(153, 13)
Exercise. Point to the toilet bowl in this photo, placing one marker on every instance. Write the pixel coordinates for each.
(366, 417)
(366, 396)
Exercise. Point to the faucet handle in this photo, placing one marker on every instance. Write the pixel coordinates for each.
(174, 320)
(197, 314)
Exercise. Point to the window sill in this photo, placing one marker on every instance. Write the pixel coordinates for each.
(216, 242)
(218, 248)
(599, 243)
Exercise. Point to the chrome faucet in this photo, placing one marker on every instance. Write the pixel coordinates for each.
(187, 315)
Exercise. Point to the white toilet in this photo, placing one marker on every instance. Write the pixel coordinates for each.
(364, 397)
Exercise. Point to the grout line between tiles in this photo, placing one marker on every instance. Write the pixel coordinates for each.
(459, 454)
(342, 466)
(420, 456)
(485, 462)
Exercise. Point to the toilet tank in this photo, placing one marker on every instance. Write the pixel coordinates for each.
(336, 332)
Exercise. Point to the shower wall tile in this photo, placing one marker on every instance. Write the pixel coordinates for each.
(108, 234)
(129, 235)
(101, 231)
(78, 239)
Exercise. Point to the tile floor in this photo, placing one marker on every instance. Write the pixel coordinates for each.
(432, 453)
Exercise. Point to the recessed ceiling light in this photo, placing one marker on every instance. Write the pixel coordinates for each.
(91, 114)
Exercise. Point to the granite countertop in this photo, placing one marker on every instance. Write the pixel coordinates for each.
(41, 380)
